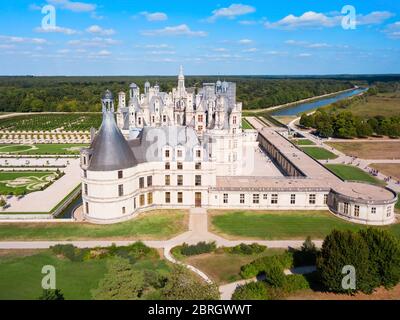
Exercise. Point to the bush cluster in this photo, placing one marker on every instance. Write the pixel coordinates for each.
(258, 266)
(247, 249)
(199, 248)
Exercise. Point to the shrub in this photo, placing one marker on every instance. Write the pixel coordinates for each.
(340, 249)
(256, 290)
(274, 275)
(70, 252)
(248, 249)
(254, 268)
(51, 295)
(384, 256)
(295, 282)
(199, 248)
(307, 255)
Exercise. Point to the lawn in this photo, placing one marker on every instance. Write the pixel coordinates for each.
(21, 276)
(303, 142)
(319, 153)
(388, 169)
(223, 267)
(159, 224)
(40, 149)
(246, 124)
(369, 150)
(24, 181)
(351, 173)
(280, 225)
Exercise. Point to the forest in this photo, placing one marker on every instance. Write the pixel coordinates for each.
(82, 94)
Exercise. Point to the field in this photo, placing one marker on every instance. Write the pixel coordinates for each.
(303, 142)
(280, 225)
(351, 173)
(24, 181)
(246, 124)
(387, 105)
(40, 149)
(319, 153)
(369, 150)
(48, 122)
(223, 267)
(160, 224)
(21, 274)
(388, 169)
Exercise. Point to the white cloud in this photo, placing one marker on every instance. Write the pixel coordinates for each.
(56, 29)
(311, 19)
(73, 6)
(34, 7)
(95, 29)
(220, 49)
(157, 46)
(17, 40)
(162, 52)
(94, 42)
(305, 55)
(393, 30)
(306, 44)
(231, 12)
(245, 41)
(180, 30)
(251, 50)
(7, 46)
(154, 16)
(104, 53)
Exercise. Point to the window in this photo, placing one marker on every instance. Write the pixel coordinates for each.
(167, 166)
(167, 154)
(86, 189)
(123, 210)
(180, 166)
(311, 199)
(198, 180)
(200, 118)
(167, 180)
(134, 203)
(121, 190)
(256, 198)
(200, 128)
(198, 153)
(356, 211)
(179, 153)
(373, 210)
(197, 166)
(164, 118)
(87, 207)
(265, 196)
(120, 174)
(168, 197)
(346, 208)
(180, 180)
(180, 197)
(85, 173)
(84, 160)
(234, 120)
(141, 200)
(242, 198)
(325, 199)
(141, 183)
(274, 198)
(292, 199)
(388, 212)
(139, 120)
(149, 181)
(225, 198)
(150, 198)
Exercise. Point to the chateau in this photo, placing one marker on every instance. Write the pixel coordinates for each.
(187, 148)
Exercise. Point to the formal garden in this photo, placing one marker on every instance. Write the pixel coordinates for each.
(319, 153)
(351, 173)
(41, 149)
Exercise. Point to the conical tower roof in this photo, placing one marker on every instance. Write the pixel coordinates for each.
(110, 149)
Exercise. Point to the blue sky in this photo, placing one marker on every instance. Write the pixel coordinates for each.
(129, 37)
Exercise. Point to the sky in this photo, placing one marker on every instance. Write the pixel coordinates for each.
(259, 37)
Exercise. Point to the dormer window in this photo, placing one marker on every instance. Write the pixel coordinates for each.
(167, 154)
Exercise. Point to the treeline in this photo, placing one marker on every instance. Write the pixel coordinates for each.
(82, 94)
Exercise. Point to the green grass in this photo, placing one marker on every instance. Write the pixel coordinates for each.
(246, 124)
(21, 276)
(162, 224)
(281, 225)
(347, 172)
(13, 181)
(40, 149)
(303, 142)
(319, 153)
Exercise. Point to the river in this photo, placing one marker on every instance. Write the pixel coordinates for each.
(307, 106)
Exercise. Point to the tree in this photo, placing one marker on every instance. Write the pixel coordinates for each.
(256, 290)
(182, 285)
(121, 282)
(307, 255)
(52, 295)
(340, 249)
(384, 256)
(3, 202)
